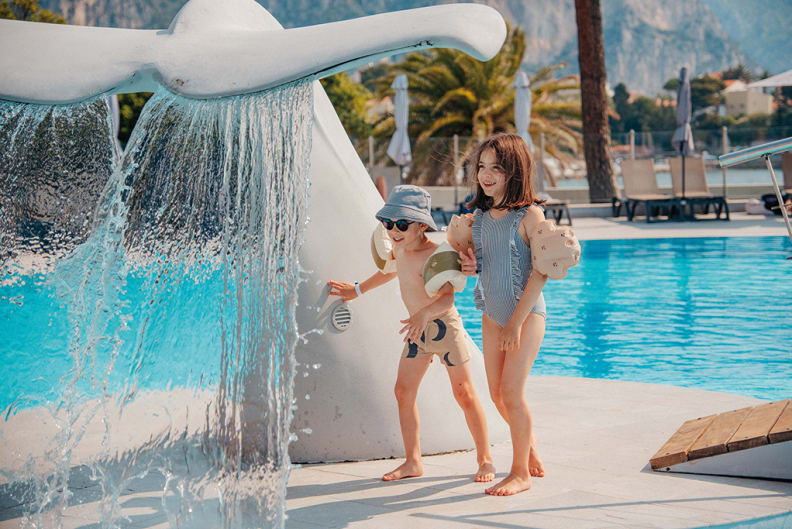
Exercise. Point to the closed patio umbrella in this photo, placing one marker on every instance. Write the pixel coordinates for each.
(522, 106)
(399, 147)
(682, 140)
(522, 119)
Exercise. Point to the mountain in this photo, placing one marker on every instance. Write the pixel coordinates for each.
(762, 29)
(646, 41)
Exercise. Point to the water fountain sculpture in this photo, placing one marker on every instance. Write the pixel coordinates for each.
(157, 294)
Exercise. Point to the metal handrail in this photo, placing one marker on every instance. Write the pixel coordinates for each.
(763, 151)
(757, 151)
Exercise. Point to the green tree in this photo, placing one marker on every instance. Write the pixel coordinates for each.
(28, 10)
(349, 99)
(740, 72)
(129, 108)
(704, 91)
(641, 115)
(594, 101)
(452, 93)
(369, 75)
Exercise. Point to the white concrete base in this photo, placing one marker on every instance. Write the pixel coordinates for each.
(772, 461)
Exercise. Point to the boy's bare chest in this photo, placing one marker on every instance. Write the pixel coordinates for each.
(410, 266)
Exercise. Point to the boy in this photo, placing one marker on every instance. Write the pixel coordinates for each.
(434, 327)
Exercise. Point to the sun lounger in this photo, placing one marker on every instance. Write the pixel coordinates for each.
(554, 208)
(640, 186)
(697, 191)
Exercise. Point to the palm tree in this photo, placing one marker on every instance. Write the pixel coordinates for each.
(453, 93)
(594, 100)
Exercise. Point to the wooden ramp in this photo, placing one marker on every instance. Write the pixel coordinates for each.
(749, 442)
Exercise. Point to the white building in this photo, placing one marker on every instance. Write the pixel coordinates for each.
(743, 100)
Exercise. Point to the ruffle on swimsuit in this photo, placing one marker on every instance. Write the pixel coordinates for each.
(519, 264)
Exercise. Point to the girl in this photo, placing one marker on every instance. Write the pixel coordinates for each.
(508, 292)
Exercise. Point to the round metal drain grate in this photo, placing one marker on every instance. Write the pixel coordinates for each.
(342, 317)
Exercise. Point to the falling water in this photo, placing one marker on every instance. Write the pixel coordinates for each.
(157, 336)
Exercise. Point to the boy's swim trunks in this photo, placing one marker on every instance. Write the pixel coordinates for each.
(445, 337)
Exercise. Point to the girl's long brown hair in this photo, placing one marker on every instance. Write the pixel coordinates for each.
(513, 155)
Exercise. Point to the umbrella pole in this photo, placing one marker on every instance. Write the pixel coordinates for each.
(456, 170)
(724, 147)
(682, 201)
(683, 173)
(778, 195)
(371, 155)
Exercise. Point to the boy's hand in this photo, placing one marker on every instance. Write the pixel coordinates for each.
(345, 290)
(415, 326)
(468, 262)
(509, 339)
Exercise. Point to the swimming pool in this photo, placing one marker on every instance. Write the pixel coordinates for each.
(708, 313)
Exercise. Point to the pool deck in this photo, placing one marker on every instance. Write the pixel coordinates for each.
(740, 225)
(595, 437)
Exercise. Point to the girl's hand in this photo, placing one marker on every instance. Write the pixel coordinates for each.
(415, 326)
(509, 339)
(345, 290)
(468, 262)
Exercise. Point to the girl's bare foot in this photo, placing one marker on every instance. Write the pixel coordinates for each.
(486, 472)
(511, 484)
(408, 469)
(535, 466)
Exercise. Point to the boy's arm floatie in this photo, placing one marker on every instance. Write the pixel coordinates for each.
(554, 249)
(382, 250)
(442, 267)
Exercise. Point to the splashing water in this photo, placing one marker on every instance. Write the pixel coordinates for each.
(163, 336)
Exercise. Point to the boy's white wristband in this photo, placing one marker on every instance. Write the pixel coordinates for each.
(357, 289)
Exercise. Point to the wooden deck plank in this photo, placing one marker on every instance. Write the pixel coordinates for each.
(782, 431)
(675, 449)
(714, 440)
(755, 428)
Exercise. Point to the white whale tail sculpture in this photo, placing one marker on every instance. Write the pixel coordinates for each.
(215, 49)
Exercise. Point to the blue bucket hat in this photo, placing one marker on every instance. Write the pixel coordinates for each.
(408, 203)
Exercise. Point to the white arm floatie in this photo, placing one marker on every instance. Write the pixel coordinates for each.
(443, 267)
(382, 250)
(554, 249)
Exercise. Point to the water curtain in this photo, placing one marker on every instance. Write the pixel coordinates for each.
(157, 296)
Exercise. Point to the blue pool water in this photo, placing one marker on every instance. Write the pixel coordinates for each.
(712, 313)
(709, 313)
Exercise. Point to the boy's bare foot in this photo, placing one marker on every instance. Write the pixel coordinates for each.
(535, 466)
(511, 484)
(486, 472)
(408, 469)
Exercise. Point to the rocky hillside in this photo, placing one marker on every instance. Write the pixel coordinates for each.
(646, 41)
